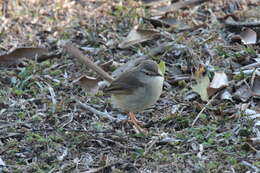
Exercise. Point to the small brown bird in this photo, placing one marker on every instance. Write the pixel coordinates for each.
(137, 89)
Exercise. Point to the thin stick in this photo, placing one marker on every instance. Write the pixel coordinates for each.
(203, 109)
(93, 110)
(242, 24)
(250, 165)
(73, 51)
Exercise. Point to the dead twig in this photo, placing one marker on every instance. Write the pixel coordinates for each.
(75, 52)
(93, 110)
(203, 109)
(150, 145)
(250, 66)
(53, 95)
(256, 169)
(241, 24)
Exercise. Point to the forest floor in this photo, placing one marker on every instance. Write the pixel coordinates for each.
(206, 120)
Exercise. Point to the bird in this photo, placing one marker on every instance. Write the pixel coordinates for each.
(136, 89)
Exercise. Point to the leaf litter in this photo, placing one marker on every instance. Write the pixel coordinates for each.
(14, 57)
(45, 127)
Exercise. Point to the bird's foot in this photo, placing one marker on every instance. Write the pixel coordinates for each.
(136, 124)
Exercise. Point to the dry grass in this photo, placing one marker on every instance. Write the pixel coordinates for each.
(42, 129)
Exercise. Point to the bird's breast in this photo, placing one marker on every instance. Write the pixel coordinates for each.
(141, 98)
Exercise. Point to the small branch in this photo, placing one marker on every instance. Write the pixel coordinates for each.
(242, 24)
(180, 78)
(93, 110)
(75, 52)
(203, 109)
(250, 165)
(52, 93)
(151, 144)
(250, 66)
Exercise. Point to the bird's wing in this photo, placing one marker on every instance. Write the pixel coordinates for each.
(126, 83)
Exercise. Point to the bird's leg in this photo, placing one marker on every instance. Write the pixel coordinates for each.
(134, 119)
(136, 123)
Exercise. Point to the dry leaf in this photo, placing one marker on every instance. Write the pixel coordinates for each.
(14, 57)
(202, 83)
(256, 86)
(137, 36)
(247, 36)
(243, 93)
(89, 83)
(175, 6)
(201, 87)
(219, 80)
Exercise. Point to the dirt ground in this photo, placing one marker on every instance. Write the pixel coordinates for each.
(206, 120)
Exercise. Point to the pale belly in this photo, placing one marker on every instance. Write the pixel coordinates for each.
(141, 99)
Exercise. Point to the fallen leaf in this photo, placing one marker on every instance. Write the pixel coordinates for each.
(243, 93)
(202, 83)
(14, 57)
(137, 36)
(175, 6)
(162, 67)
(218, 82)
(89, 83)
(201, 87)
(247, 36)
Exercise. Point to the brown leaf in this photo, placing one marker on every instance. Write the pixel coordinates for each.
(14, 57)
(89, 83)
(137, 36)
(247, 36)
